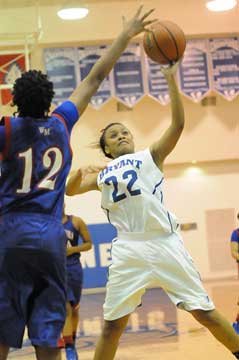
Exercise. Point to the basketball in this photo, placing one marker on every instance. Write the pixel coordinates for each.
(165, 42)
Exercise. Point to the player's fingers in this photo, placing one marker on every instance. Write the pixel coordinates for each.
(139, 11)
(147, 14)
(95, 169)
(149, 22)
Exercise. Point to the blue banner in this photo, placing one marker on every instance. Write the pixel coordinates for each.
(95, 262)
(193, 72)
(128, 76)
(87, 58)
(225, 66)
(61, 70)
(207, 64)
(157, 84)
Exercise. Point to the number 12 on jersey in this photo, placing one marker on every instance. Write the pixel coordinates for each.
(131, 177)
(51, 165)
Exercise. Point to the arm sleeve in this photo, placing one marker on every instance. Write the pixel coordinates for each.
(2, 138)
(69, 112)
(235, 236)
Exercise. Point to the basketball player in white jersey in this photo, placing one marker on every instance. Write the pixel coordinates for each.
(148, 250)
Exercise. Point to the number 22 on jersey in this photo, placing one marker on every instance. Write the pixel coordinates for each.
(131, 177)
(52, 165)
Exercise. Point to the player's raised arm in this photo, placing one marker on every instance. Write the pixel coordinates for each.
(84, 180)
(169, 139)
(81, 96)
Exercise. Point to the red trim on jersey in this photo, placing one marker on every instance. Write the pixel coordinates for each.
(68, 340)
(59, 117)
(7, 124)
(60, 343)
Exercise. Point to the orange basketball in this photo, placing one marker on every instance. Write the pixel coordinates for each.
(165, 42)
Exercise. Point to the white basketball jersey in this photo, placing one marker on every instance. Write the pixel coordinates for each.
(132, 195)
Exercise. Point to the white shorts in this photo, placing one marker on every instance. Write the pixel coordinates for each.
(140, 261)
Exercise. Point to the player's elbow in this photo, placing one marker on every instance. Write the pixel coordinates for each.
(177, 127)
(180, 125)
(70, 191)
(181, 121)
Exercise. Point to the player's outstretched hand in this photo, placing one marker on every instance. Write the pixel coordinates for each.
(83, 180)
(85, 172)
(169, 70)
(138, 23)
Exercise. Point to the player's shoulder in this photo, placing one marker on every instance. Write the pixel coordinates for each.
(66, 109)
(77, 221)
(148, 162)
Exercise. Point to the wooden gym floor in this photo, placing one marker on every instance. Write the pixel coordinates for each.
(157, 330)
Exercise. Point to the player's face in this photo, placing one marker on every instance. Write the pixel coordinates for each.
(118, 141)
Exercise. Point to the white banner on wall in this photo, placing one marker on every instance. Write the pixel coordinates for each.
(225, 66)
(128, 76)
(193, 72)
(61, 70)
(87, 57)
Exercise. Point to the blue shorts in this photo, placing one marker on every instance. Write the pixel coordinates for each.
(74, 282)
(32, 279)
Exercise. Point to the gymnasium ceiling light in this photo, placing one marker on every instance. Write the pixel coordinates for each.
(73, 11)
(221, 5)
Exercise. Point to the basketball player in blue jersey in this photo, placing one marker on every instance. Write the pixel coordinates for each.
(36, 159)
(78, 240)
(235, 255)
(148, 250)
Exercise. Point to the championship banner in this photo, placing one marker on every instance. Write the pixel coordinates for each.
(193, 71)
(87, 57)
(61, 70)
(11, 68)
(157, 84)
(128, 76)
(225, 66)
(96, 261)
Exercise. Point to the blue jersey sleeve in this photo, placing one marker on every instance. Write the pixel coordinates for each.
(69, 112)
(2, 138)
(235, 236)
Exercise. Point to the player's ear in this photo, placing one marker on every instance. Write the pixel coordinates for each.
(107, 150)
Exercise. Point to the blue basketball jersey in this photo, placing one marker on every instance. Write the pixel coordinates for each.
(36, 160)
(72, 236)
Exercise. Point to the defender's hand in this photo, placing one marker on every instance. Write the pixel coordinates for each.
(137, 24)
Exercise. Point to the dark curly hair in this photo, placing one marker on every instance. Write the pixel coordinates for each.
(33, 94)
(102, 138)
